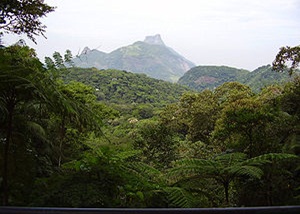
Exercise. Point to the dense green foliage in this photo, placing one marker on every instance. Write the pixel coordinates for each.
(263, 77)
(89, 138)
(124, 87)
(105, 138)
(211, 77)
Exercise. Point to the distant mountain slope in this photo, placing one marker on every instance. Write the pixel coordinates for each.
(123, 87)
(151, 57)
(264, 76)
(210, 77)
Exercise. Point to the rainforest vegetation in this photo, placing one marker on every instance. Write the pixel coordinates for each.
(73, 137)
(118, 139)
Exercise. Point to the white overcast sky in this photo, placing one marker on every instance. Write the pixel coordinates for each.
(239, 33)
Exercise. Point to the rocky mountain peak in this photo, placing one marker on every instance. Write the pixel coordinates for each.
(151, 57)
(154, 40)
(86, 50)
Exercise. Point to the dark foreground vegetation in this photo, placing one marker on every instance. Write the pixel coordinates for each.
(66, 143)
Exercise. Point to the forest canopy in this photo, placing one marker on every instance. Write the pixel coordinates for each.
(106, 142)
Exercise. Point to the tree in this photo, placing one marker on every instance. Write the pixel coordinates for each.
(290, 106)
(156, 142)
(203, 115)
(23, 16)
(224, 169)
(176, 116)
(285, 55)
(18, 89)
(80, 116)
(29, 99)
(251, 125)
(232, 91)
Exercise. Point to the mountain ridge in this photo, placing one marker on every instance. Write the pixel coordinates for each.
(151, 57)
(209, 77)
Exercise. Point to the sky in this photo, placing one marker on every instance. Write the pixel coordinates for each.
(238, 33)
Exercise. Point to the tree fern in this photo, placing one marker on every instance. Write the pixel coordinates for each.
(179, 197)
(145, 172)
(224, 168)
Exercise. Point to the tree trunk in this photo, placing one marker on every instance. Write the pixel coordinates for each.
(61, 139)
(226, 188)
(10, 108)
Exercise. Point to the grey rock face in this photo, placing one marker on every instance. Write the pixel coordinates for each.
(154, 40)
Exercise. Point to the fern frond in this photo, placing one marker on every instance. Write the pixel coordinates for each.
(249, 171)
(37, 129)
(179, 197)
(230, 158)
(279, 156)
(144, 172)
(191, 167)
(195, 165)
(268, 158)
(95, 148)
(72, 165)
(124, 155)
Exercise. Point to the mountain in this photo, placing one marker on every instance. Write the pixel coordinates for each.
(264, 76)
(151, 57)
(210, 77)
(122, 87)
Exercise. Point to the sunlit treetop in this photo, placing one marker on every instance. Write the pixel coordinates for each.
(23, 17)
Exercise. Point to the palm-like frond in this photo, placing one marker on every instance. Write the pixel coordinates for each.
(249, 171)
(179, 197)
(268, 158)
(144, 172)
(37, 129)
(230, 159)
(190, 167)
(125, 155)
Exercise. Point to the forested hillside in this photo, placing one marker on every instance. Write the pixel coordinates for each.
(118, 139)
(210, 77)
(117, 86)
(263, 77)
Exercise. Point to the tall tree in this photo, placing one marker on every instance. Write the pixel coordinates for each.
(20, 86)
(80, 115)
(241, 126)
(29, 97)
(203, 115)
(23, 16)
